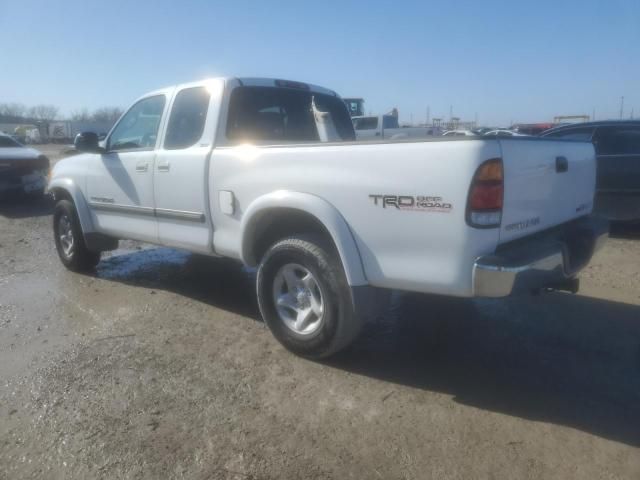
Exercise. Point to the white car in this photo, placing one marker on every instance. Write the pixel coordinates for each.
(459, 133)
(267, 172)
(376, 127)
(23, 170)
(504, 133)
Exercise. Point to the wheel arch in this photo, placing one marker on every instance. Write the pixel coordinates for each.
(283, 213)
(66, 188)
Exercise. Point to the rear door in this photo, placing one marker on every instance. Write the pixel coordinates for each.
(120, 181)
(180, 175)
(546, 183)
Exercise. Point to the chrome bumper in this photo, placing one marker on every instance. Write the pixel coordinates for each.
(544, 260)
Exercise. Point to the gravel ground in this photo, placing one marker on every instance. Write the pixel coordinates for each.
(157, 366)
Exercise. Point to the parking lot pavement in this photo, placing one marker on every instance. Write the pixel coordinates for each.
(157, 366)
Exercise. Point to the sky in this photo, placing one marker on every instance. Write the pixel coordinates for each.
(497, 61)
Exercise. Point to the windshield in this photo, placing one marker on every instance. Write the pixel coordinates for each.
(8, 142)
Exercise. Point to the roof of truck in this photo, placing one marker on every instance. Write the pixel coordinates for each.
(251, 82)
(282, 83)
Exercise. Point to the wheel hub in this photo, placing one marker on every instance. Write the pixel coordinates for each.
(65, 235)
(298, 299)
(303, 298)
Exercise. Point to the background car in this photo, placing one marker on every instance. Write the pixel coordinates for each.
(617, 146)
(505, 133)
(459, 133)
(532, 128)
(23, 170)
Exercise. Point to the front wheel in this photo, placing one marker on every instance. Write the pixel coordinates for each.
(304, 297)
(69, 239)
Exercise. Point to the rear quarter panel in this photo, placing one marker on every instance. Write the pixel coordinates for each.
(407, 247)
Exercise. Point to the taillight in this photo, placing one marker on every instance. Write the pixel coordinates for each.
(484, 207)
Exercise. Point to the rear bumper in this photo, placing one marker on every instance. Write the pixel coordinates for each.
(544, 260)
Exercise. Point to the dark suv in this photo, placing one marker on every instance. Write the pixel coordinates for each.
(617, 146)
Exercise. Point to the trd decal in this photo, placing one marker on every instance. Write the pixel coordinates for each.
(420, 203)
(529, 222)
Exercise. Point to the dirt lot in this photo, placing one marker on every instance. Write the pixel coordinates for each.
(158, 366)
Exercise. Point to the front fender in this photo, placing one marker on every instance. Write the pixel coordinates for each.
(323, 211)
(71, 188)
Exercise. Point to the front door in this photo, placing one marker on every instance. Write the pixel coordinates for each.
(120, 181)
(181, 187)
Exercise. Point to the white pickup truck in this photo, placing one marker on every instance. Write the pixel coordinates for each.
(387, 126)
(268, 172)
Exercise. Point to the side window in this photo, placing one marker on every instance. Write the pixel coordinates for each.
(365, 123)
(138, 129)
(584, 133)
(188, 115)
(618, 140)
(389, 121)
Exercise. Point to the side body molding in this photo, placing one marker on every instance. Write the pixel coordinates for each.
(319, 208)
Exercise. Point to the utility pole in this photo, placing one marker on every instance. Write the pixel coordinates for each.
(411, 116)
(621, 106)
(593, 114)
(428, 114)
(450, 113)
(631, 116)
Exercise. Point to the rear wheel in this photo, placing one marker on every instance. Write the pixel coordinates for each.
(69, 239)
(304, 297)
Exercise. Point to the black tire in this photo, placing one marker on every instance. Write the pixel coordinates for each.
(79, 258)
(338, 325)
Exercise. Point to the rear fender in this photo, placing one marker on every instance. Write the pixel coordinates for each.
(319, 208)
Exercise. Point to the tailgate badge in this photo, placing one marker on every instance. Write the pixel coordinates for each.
(524, 224)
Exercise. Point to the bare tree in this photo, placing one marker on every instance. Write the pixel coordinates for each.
(106, 114)
(44, 112)
(80, 115)
(13, 109)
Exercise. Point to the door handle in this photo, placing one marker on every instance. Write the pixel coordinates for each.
(562, 164)
(164, 167)
(142, 167)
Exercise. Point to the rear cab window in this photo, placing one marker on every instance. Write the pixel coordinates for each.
(272, 115)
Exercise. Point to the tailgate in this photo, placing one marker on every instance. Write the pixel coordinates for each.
(546, 183)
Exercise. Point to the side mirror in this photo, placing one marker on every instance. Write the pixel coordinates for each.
(87, 142)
